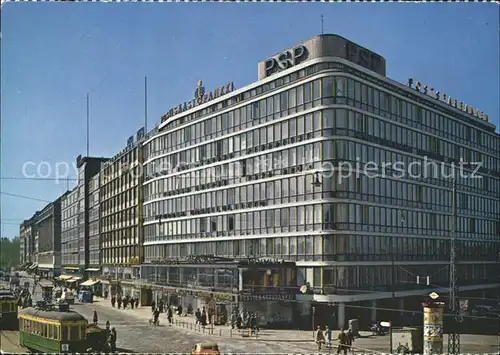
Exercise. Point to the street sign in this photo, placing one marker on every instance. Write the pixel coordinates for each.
(386, 324)
(433, 295)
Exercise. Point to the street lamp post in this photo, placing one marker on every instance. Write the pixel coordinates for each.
(313, 316)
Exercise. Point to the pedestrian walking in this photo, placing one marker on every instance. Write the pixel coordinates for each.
(197, 315)
(320, 337)
(170, 315)
(328, 336)
(94, 318)
(342, 342)
(349, 339)
(113, 339)
(153, 306)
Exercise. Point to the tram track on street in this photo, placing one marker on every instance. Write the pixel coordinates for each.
(9, 343)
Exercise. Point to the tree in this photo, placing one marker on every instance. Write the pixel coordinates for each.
(9, 252)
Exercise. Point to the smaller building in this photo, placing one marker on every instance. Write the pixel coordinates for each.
(94, 267)
(69, 232)
(48, 240)
(27, 236)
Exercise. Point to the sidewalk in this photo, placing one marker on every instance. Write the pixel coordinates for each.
(188, 323)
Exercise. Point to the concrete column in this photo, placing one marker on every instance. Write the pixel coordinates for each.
(341, 315)
(216, 277)
(240, 279)
(374, 312)
(401, 307)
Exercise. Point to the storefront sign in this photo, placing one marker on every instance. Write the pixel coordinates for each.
(435, 94)
(200, 97)
(285, 60)
(267, 297)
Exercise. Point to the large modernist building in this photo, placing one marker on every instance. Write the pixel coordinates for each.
(121, 216)
(269, 170)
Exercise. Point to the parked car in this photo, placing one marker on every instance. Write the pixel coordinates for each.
(206, 349)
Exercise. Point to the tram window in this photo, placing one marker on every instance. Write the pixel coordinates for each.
(64, 333)
(83, 331)
(45, 330)
(21, 324)
(58, 332)
(74, 332)
(5, 307)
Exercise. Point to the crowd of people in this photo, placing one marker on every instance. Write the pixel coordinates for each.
(345, 339)
(124, 301)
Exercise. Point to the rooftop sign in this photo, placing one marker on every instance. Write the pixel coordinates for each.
(319, 47)
(200, 97)
(435, 94)
(286, 60)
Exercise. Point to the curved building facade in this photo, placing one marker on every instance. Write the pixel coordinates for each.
(301, 166)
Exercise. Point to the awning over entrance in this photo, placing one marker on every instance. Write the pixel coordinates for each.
(34, 266)
(76, 278)
(93, 269)
(64, 277)
(71, 268)
(90, 282)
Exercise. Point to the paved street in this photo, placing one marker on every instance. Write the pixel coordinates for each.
(135, 334)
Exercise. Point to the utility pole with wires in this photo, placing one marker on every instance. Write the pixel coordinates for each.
(454, 307)
(322, 28)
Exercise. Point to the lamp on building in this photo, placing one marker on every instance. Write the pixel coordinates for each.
(317, 182)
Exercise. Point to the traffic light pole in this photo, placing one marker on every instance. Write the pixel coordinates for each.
(454, 335)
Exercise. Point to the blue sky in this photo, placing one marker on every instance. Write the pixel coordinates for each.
(53, 54)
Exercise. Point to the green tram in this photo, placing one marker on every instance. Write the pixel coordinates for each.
(8, 310)
(46, 329)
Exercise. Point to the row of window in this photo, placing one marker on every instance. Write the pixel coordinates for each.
(54, 331)
(126, 179)
(119, 254)
(70, 199)
(111, 169)
(331, 248)
(120, 202)
(350, 278)
(119, 220)
(353, 93)
(233, 147)
(117, 237)
(333, 184)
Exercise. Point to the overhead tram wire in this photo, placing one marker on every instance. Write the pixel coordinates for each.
(25, 197)
(36, 179)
